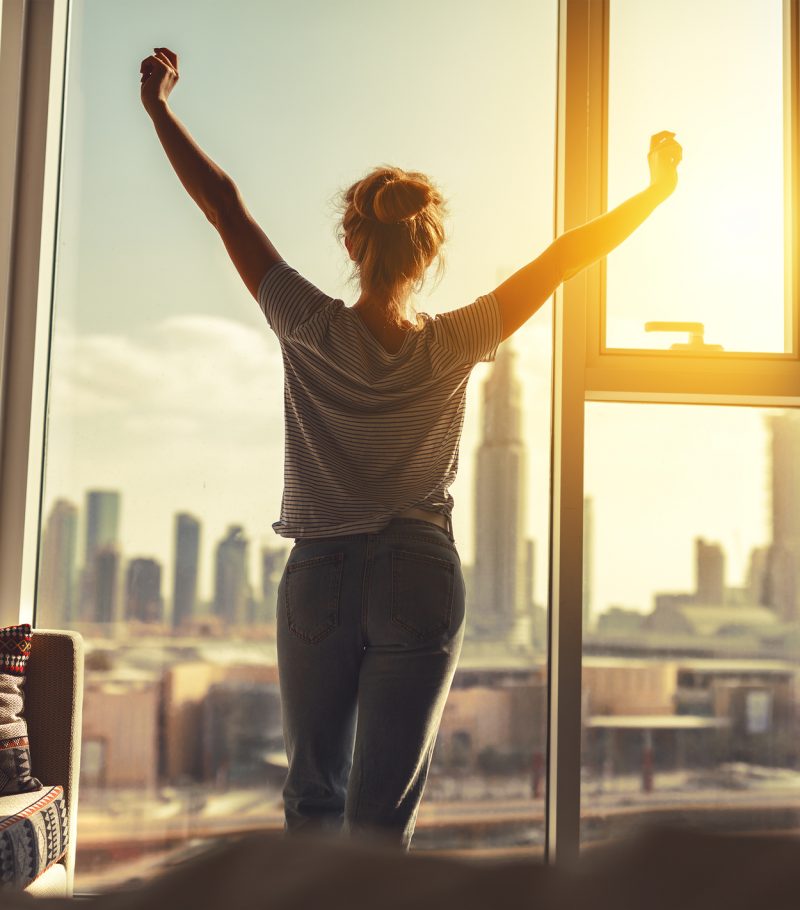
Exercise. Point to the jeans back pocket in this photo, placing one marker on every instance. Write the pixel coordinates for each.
(313, 588)
(422, 593)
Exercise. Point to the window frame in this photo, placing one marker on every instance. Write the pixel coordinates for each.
(584, 370)
(32, 109)
(33, 58)
(659, 375)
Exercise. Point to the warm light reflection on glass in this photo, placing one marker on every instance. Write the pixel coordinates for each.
(714, 251)
(691, 619)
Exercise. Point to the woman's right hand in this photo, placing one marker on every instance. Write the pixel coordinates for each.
(159, 74)
(664, 156)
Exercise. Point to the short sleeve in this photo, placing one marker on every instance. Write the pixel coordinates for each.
(471, 333)
(288, 300)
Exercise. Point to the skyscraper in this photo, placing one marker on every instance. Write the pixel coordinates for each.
(500, 609)
(102, 530)
(186, 562)
(530, 568)
(106, 585)
(588, 562)
(55, 592)
(231, 587)
(784, 551)
(709, 573)
(143, 600)
(272, 565)
(758, 582)
(102, 521)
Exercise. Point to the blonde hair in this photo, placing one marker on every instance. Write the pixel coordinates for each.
(393, 220)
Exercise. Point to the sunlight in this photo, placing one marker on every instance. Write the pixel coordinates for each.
(714, 253)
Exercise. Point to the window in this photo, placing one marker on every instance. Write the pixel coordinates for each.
(159, 393)
(714, 253)
(588, 373)
(164, 440)
(696, 614)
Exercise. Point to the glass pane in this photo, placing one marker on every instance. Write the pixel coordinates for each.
(164, 459)
(692, 644)
(713, 252)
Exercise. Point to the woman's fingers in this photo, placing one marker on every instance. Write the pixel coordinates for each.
(166, 61)
(150, 62)
(670, 144)
(164, 58)
(673, 149)
(147, 66)
(170, 55)
(658, 137)
(664, 144)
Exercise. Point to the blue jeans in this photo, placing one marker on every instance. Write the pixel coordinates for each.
(369, 632)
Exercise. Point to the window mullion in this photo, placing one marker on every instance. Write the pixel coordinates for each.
(791, 101)
(35, 42)
(580, 189)
(612, 370)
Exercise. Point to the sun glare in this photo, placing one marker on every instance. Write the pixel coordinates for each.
(714, 252)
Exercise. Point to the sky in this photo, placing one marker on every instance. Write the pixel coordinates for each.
(166, 381)
(712, 72)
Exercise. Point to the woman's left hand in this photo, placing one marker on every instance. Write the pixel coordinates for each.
(159, 76)
(664, 157)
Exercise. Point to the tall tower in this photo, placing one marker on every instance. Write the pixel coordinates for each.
(783, 557)
(105, 570)
(186, 562)
(143, 601)
(709, 573)
(54, 601)
(273, 562)
(102, 521)
(102, 531)
(588, 564)
(500, 610)
(231, 587)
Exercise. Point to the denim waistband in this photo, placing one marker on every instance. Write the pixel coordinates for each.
(421, 523)
(417, 523)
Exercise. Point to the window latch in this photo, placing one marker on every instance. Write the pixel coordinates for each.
(695, 341)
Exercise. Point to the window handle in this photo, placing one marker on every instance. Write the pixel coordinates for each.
(696, 331)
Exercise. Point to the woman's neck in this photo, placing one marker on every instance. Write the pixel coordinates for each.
(375, 310)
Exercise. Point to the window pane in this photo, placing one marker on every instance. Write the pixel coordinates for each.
(713, 253)
(692, 644)
(164, 458)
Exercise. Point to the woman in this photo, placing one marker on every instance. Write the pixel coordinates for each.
(370, 612)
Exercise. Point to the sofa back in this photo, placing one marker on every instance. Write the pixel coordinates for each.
(53, 711)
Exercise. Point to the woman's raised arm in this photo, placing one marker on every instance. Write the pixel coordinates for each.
(521, 295)
(213, 190)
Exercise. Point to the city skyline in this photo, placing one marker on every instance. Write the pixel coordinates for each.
(689, 486)
(239, 592)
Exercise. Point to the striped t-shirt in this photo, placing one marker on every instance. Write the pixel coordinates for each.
(368, 433)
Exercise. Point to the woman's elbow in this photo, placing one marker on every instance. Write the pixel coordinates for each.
(562, 250)
(223, 201)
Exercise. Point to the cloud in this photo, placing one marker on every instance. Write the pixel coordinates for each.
(179, 374)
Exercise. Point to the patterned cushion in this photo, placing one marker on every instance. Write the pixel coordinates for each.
(15, 756)
(33, 835)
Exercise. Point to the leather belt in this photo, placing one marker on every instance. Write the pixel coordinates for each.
(436, 517)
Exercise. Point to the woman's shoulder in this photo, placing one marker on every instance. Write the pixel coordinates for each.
(290, 301)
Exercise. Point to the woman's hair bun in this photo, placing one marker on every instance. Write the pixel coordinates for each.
(401, 200)
(393, 259)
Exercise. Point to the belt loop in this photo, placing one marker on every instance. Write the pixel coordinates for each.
(450, 528)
